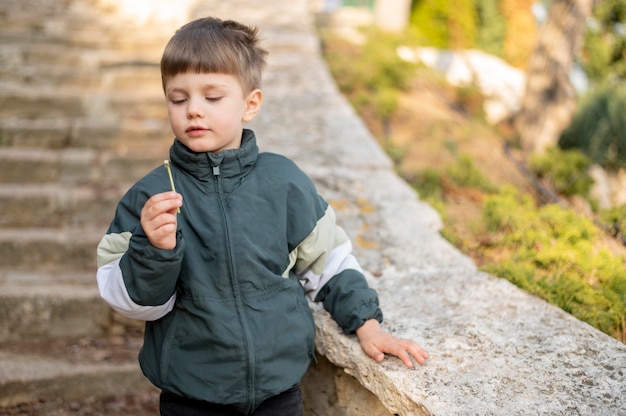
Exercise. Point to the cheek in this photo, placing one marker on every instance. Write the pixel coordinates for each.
(175, 115)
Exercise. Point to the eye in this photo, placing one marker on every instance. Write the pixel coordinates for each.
(178, 101)
(213, 99)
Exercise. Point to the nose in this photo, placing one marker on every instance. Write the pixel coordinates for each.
(194, 108)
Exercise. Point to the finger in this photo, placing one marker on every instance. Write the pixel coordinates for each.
(400, 351)
(417, 352)
(158, 205)
(164, 224)
(406, 359)
(372, 351)
(162, 235)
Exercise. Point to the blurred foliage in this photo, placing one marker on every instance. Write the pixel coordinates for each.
(471, 100)
(566, 170)
(491, 27)
(599, 127)
(614, 220)
(465, 174)
(604, 50)
(522, 31)
(446, 24)
(549, 251)
(553, 252)
(372, 75)
(430, 18)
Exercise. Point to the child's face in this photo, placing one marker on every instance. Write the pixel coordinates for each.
(207, 111)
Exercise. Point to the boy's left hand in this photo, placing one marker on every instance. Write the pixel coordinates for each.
(376, 342)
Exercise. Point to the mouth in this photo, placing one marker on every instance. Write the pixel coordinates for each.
(195, 131)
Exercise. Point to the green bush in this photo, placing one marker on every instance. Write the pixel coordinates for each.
(430, 17)
(614, 219)
(444, 24)
(427, 183)
(491, 27)
(598, 128)
(464, 173)
(553, 253)
(604, 47)
(567, 170)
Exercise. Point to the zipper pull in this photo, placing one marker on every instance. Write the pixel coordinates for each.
(216, 171)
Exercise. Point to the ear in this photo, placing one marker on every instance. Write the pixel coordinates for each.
(253, 104)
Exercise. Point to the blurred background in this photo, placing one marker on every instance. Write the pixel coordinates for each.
(509, 117)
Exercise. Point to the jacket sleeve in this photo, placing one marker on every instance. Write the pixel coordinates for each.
(135, 278)
(332, 275)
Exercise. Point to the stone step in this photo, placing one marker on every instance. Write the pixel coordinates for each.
(42, 62)
(60, 342)
(40, 48)
(45, 305)
(48, 102)
(56, 205)
(21, 165)
(82, 24)
(137, 76)
(107, 132)
(44, 376)
(75, 167)
(52, 250)
(51, 310)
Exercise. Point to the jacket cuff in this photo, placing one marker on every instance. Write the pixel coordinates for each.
(358, 317)
(349, 300)
(150, 274)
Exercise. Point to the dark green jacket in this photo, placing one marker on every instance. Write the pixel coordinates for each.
(227, 316)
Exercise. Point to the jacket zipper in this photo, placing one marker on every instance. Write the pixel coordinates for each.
(237, 294)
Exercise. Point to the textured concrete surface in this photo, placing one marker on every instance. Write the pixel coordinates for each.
(495, 350)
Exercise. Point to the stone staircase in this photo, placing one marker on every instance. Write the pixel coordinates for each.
(81, 118)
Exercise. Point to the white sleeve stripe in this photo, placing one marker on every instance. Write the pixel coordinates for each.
(113, 291)
(339, 259)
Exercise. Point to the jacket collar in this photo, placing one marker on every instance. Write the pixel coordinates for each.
(231, 163)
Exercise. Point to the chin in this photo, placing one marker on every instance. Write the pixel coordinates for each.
(198, 146)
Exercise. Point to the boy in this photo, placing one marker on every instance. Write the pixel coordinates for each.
(222, 279)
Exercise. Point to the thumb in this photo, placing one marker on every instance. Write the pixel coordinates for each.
(372, 351)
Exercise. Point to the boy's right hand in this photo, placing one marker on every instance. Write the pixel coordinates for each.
(158, 219)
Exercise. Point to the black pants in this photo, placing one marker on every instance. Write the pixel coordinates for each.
(287, 403)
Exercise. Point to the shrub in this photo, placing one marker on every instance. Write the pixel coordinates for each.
(566, 170)
(604, 47)
(614, 219)
(553, 253)
(598, 128)
(464, 173)
(491, 27)
(444, 24)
